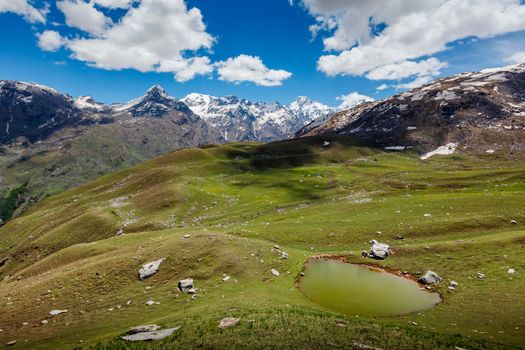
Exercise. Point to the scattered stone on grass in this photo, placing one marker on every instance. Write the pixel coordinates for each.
(156, 335)
(185, 285)
(275, 272)
(481, 276)
(187, 236)
(226, 278)
(514, 222)
(228, 322)
(430, 277)
(57, 312)
(150, 269)
(284, 255)
(11, 343)
(511, 271)
(360, 346)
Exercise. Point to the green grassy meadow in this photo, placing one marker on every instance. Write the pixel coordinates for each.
(239, 200)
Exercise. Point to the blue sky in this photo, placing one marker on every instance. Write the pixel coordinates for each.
(361, 47)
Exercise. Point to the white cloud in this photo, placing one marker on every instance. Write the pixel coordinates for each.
(50, 40)
(407, 69)
(155, 36)
(414, 29)
(24, 8)
(249, 68)
(353, 99)
(417, 82)
(193, 67)
(382, 87)
(518, 57)
(84, 16)
(113, 4)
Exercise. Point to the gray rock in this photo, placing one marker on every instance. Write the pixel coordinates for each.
(228, 322)
(185, 285)
(144, 329)
(481, 276)
(57, 312)
(11, 343)
(275, 272)
(156, 335)
(284, 255)
(430, 277)
(378, 250)
(150, 269)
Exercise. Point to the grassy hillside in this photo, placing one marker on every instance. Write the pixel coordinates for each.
(236, 202)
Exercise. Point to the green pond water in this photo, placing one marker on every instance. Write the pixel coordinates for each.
(357, 290)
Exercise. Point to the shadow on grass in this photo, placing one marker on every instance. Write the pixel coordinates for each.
(290, 153)
(274, 159)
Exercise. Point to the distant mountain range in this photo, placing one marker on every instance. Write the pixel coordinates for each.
(481, 112)
(243, 120)
(51, 141)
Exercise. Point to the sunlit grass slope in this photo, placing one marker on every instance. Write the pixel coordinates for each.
(81, 250)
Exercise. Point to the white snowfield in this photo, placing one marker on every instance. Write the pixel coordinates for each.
(446, 150)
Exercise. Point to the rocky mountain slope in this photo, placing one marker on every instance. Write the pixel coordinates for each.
(51, 141)
(243, 120)
(471, 112)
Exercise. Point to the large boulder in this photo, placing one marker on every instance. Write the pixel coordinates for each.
(430, 277)
(150, 269)
(156, 335)
(378, 250)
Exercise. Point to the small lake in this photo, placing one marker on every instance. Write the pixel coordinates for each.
(357, 290)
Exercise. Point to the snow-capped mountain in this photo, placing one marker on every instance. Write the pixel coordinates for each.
(308, 110)
(478, 111)
(33, 111)
(241, 120)
(88, 103)
(155, 102)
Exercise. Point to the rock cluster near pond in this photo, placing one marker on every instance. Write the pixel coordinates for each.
(378, 250)
(430, 277)
(150, 269)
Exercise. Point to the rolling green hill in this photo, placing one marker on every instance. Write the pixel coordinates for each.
(220, 210)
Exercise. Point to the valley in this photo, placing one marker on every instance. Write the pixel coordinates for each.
(220, 211)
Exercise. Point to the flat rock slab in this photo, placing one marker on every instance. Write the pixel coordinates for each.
(156, 335)
(228, 322)
(144, 329)
(150, 269)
